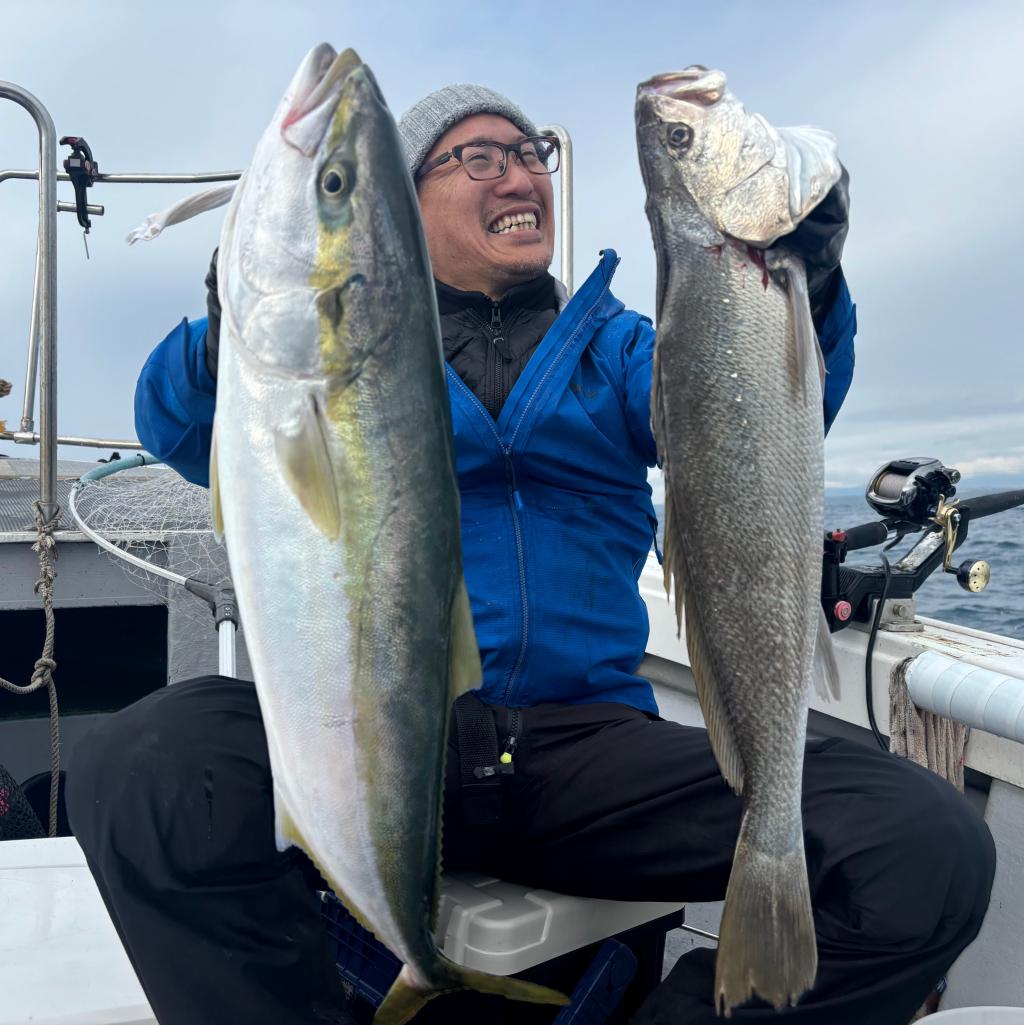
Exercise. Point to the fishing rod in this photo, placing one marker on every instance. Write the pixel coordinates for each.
(912, 495)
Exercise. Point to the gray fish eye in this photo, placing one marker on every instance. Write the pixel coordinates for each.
(680, 136)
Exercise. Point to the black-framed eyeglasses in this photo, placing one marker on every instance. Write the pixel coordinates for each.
(484, 160)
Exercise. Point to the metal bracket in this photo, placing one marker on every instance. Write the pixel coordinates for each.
(898, 616)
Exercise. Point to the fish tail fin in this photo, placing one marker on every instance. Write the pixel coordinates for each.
(766, 944)
(405, 998)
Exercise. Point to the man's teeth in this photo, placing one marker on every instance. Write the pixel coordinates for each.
(513, 222)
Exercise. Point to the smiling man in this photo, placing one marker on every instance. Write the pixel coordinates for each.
(550, 413)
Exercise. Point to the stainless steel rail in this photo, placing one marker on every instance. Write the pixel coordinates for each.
(26, 435)
(32, 438)
(42, 346)
(42, 351)
(565, 196)
(138, 176)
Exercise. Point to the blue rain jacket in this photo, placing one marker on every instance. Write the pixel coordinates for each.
(557, 519)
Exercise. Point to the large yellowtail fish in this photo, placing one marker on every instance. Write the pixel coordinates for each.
(736, 412)
(333, 482)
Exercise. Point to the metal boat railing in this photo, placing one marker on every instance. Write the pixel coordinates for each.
(42, 345)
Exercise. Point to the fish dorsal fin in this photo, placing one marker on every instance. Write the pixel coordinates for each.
(216, 508)
(709, 694)
(465, 672)
(304, 459)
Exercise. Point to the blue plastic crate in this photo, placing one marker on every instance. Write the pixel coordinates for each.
(363, 961)
(598, 993)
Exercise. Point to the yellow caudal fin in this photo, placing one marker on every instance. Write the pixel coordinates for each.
(465, 672)
(304, 460)
(405, 999)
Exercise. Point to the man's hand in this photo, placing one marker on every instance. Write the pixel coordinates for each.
(818, 241)
(213, 313)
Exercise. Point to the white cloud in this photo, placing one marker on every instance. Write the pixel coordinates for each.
(1011, 463)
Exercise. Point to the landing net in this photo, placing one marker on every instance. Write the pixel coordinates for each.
(155, 525)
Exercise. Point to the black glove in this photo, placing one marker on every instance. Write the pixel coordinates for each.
(213, 316)
(818, 241)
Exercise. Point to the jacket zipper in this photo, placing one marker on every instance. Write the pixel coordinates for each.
(498, 400)
(516, 503)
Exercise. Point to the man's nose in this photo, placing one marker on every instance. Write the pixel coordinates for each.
(516, 180)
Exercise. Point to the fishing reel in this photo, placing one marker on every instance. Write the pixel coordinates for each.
(912, 495)
(910, 490)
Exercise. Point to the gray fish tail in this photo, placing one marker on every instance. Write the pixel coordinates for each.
(405, 998)
(767, 944)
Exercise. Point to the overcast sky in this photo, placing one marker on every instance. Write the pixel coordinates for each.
(926, 98)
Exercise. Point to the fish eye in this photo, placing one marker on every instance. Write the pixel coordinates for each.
(335, 180)
(679, 137)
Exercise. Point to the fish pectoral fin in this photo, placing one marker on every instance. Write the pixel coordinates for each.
(465, 672)
(405, 999)
(805, 338)
(304, 459)
(826, 668)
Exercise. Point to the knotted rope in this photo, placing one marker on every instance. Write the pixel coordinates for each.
(42, 675)
(924, 737)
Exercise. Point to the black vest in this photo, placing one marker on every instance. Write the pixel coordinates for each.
(488, 343)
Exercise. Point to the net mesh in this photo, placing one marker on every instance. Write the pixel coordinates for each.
(156, 515)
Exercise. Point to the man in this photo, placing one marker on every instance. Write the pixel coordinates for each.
(171, 799)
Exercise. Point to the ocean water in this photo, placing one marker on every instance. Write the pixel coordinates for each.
(999, 540)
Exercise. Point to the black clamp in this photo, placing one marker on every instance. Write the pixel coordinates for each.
(83, 171)
(221, 600)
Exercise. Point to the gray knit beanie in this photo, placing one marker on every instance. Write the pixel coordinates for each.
(425, 122)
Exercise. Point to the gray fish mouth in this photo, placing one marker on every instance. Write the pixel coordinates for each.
(696, 84)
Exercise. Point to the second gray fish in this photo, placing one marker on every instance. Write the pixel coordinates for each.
(736, 412)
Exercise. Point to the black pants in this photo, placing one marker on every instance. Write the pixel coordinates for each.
(171, 801)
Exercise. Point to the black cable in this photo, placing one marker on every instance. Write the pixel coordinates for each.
(883, 742)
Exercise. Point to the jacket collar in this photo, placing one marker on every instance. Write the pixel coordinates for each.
(538, 294)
